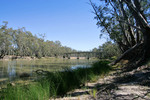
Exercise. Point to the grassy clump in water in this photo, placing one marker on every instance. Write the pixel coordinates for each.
(54, 84)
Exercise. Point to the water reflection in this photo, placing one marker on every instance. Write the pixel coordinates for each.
(79, 66)
(12, 69)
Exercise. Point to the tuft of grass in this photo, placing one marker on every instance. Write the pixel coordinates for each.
(93, 93)
(53, 84)
(36, 91)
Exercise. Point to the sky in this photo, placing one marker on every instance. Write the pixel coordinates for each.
(69, 21)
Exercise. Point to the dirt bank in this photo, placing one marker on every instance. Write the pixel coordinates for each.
(11, 57)
(118, 85)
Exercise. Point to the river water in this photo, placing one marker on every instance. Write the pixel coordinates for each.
(10, 70)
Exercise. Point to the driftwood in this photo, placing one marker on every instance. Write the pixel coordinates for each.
(41, 72)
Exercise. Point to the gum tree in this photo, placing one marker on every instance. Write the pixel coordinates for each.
(127, 23)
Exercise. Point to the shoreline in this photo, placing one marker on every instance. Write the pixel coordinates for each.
(118, 85)
(13, 57)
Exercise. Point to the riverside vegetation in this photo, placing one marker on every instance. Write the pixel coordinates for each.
(54, 84)
(127, 23)
(20, 42)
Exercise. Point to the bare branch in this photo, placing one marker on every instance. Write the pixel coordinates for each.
(95, 12)
(122, 21)
(138, 16)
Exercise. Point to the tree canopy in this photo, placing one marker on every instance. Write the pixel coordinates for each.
(127, 24)
(21, 42)
(108, 49)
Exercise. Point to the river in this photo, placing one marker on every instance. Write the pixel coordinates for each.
(10, 70)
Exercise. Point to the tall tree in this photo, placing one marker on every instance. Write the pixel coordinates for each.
(21, 42)
(127, 23)
(5, 40)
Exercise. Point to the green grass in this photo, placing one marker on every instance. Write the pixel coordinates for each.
(93, 93)
(35, 91)
(53, 84)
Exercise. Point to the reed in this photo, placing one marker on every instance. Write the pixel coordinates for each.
(53, 84)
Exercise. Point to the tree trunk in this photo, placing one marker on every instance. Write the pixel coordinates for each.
(2, 54)
(146, 48)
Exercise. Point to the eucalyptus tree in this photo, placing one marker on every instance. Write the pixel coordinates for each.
(108, 50)
(21, 42)
(127, 23)
(35, 46)
(5, 40)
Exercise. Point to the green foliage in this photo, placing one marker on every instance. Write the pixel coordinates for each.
(93, 93)
(62, 82)
(113, 58)
(52, 84)
(22, 43)
(120, 20)
(36, 91)
(108, 50)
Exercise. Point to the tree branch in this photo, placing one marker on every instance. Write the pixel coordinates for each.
(137, 15)
(122, 21)
(123, 56)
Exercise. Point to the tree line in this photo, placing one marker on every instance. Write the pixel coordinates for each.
(21, 42)
(127, 23)
(108, 50)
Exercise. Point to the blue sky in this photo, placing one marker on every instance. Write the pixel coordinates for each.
(69, 21)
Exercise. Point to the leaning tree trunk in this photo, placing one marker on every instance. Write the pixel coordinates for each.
(140, 53)
(146, 48)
